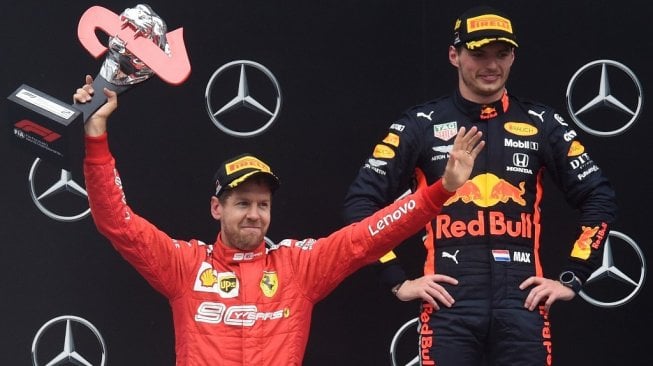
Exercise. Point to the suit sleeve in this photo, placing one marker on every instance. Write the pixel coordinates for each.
(326, 262)
(587, 189)
(164, 262)
(384, 177)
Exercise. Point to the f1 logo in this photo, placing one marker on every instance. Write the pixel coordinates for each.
(32, 127)
(173, 69)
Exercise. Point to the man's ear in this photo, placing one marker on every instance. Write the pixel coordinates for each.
(216, 208)
(453, 56)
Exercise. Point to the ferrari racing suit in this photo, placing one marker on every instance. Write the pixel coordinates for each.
(488, 234)
(232, 307)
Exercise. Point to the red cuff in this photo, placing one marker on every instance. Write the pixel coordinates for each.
(437, 194)
(97, 149)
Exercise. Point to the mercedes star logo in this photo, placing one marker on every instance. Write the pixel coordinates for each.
(628, 273)
(86, 335)
(51, 194)
(398, 337)
(618, 102)
(233, 114)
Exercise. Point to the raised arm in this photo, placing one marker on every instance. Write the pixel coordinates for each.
(97, 123)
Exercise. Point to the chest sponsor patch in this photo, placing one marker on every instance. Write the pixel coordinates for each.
(269, 283)
(520, 128)
(522, 257)
(225, 284)
(445, 131)
(392, 139)
(383, 152)
(503, 255)
(576, 149)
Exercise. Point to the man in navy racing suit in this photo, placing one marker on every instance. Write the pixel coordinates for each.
(484, 295)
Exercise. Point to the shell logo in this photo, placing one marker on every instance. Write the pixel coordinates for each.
(207, 278)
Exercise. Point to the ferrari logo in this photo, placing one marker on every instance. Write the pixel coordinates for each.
(269, 283)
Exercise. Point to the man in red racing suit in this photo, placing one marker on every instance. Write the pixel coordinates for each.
(248, 307)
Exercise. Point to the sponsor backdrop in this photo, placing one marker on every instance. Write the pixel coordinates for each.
(333, 75)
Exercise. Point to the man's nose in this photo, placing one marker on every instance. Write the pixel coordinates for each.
(253, 212)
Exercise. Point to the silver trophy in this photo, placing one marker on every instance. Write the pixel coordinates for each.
(121, 68)
(139, 46)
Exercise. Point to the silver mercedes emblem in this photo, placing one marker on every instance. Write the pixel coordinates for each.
(243, 98)
(604, 98)
(56, 194)
(68, 340)
(621, 274)
(403, 336)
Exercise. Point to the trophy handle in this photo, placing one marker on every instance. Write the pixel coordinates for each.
(98, 100)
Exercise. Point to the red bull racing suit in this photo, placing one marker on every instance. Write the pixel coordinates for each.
(232, 307)
(488, 234)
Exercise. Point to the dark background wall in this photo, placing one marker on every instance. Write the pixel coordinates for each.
(346, 70)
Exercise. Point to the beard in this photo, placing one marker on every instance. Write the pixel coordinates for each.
(243, 239)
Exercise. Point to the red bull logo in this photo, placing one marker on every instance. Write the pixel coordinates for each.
(426, 335)
(488, 112)
(546, 335)
(467, 193)
(582, 247)
(497, 224)
(504, 191)
(487, 190)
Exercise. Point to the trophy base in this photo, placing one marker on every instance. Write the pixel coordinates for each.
(51, 129)
(98, 100)
(47, 127)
